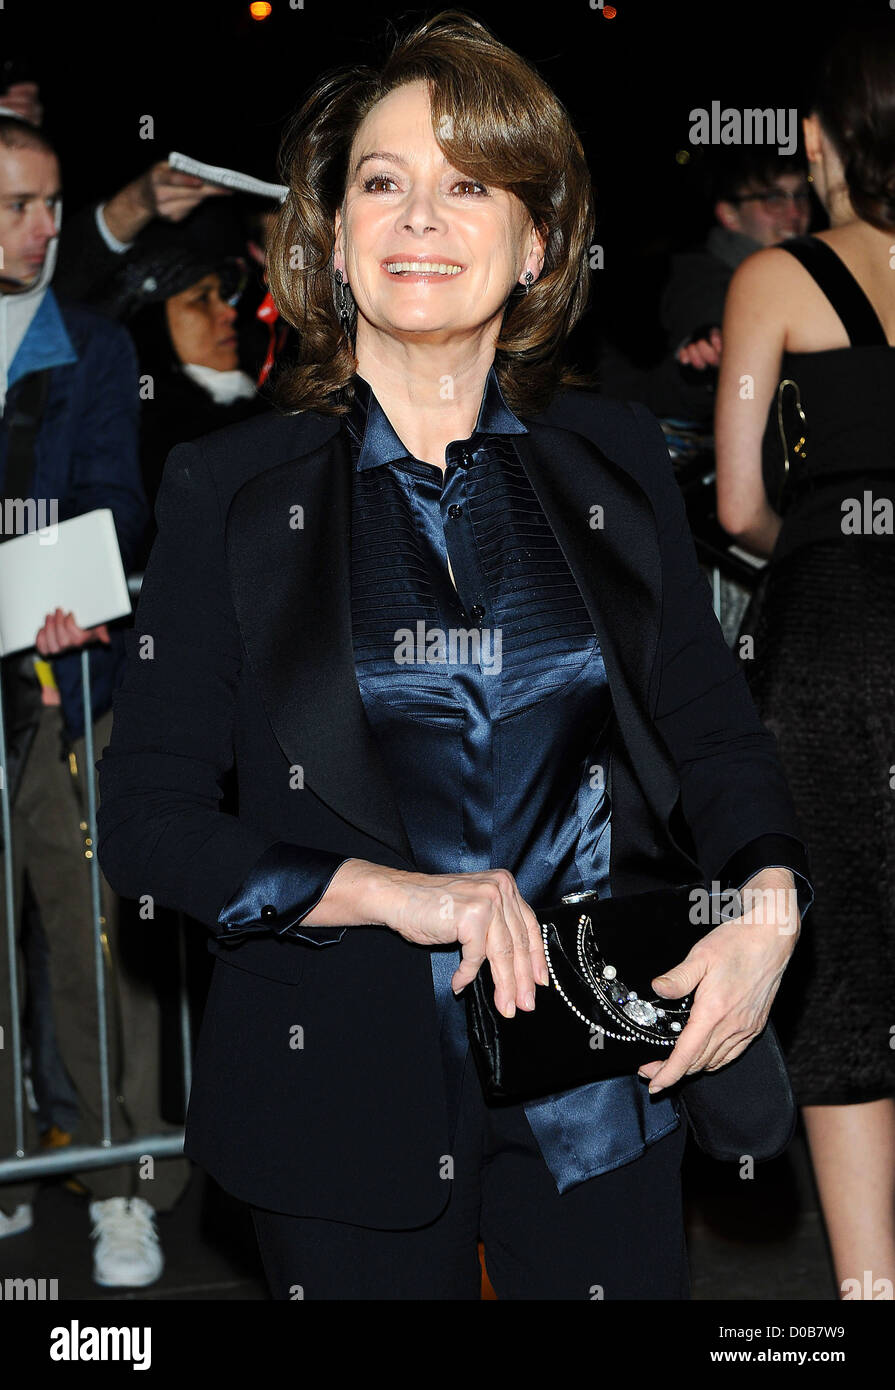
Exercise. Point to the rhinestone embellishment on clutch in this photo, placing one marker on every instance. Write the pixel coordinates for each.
(633, 1019)
(640, 1011)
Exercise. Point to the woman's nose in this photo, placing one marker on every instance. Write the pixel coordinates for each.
(420, 211)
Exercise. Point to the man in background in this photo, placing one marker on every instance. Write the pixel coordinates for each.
(759, 198)
(68, 438)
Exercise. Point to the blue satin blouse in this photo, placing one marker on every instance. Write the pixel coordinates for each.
(492, 709)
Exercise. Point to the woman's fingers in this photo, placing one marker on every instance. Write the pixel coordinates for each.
(522, 930)
(731, 1051)
(536, 945)
(507, 949)
(710, 1059)
(477, 942)
(707, 1042)
(498, 925)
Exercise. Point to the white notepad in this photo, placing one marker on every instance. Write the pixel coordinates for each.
(74, 565)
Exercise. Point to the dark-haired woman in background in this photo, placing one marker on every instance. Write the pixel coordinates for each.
(181, 312)
(819, 313)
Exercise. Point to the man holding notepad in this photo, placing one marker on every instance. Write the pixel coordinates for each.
(69, 471)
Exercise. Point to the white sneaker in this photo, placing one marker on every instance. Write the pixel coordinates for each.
(127, 1249)
(22, 1219)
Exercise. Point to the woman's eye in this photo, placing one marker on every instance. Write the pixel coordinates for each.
(376, 178)
(386, 178)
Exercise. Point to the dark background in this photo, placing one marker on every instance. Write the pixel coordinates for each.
(219, 86)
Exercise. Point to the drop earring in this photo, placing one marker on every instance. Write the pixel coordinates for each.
(344, 317)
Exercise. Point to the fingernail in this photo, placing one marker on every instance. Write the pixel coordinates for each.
(655, 1086)
(529, 1001)
(511, 1010)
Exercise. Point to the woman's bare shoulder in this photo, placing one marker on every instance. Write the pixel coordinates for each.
(766, 273)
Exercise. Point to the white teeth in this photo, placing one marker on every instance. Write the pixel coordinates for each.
(427, 267)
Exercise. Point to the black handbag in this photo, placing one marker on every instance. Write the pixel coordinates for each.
(599, 1018)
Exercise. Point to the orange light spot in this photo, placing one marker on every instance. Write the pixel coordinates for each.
(259, 9)
(609, 12)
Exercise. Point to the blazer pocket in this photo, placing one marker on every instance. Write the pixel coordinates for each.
(281, 958)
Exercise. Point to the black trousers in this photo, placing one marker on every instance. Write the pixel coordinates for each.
(616, 1236)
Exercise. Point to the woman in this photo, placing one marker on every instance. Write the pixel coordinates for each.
(398, 815)
(818, 640)
(181, 311)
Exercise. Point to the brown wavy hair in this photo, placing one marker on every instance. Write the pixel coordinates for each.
(508, 129)
(854, 98)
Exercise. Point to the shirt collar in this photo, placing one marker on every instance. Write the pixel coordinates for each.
(372, 430)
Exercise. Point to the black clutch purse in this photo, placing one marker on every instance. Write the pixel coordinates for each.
(599, 1018)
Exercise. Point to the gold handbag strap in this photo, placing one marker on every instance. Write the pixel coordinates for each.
(799, 446)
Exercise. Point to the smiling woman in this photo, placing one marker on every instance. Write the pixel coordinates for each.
(481, 138)
(400, 820)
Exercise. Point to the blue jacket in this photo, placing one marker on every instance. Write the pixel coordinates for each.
(85, 456)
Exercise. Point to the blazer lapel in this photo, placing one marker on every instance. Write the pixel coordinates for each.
(605, 526)
(288, 547)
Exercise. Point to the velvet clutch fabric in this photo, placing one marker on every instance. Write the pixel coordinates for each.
(599, 1018)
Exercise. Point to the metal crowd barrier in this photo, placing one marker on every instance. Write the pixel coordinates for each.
(77, 1157)
(731, 572)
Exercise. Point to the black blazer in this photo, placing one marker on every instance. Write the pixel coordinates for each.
(317, 1085)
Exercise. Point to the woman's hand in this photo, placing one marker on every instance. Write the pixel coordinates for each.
(486, 914)
(736, 971)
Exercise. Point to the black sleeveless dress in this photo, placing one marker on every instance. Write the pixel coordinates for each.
(821, 668)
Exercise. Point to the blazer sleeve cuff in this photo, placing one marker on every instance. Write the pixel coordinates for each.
(280, 890)
(769, 852)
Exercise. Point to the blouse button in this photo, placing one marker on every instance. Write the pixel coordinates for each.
(454, 510)
(268, 912)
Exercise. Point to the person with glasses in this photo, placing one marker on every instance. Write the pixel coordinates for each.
(758, 198)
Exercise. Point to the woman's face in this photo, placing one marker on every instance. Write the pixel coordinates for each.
(201, 325)
(402, 203)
